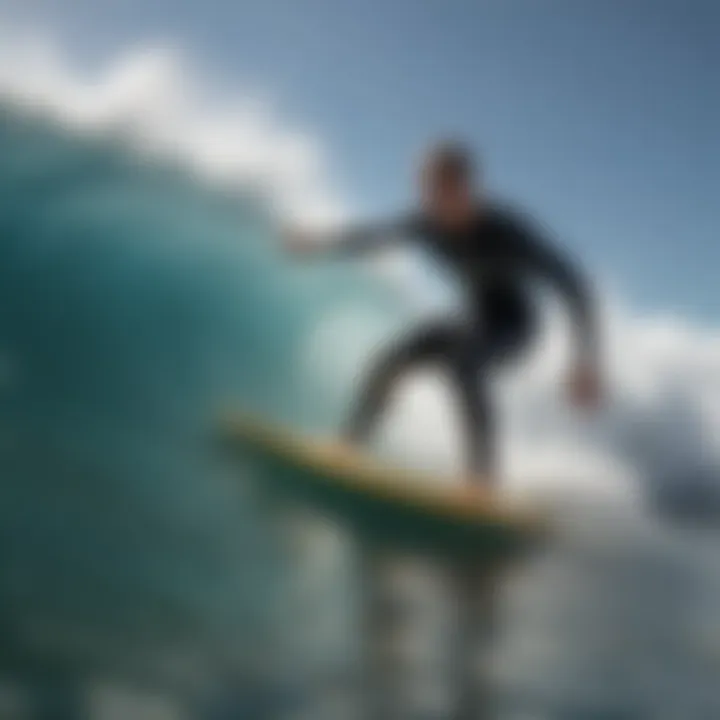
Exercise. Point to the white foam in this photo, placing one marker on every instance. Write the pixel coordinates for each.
(661, 411)
(152, 96)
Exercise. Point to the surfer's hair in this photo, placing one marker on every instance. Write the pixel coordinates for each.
(451, 160)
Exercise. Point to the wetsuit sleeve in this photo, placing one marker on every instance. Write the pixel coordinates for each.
(367, 238)
(559, 270)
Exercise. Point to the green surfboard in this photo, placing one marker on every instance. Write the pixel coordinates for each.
(386, 506)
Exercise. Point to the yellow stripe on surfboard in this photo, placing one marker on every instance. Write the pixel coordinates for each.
(362, 474)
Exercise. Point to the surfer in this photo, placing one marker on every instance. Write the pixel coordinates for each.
(495, 252)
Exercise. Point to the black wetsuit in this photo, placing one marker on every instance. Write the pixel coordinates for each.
(495, 259)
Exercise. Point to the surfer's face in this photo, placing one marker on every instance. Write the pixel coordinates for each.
(448, 198)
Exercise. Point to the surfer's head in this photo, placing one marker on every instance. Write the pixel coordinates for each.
(448, 183)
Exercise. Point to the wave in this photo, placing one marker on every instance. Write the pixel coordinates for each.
(137, 304)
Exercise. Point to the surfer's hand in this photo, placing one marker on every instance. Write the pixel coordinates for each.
(584, 387)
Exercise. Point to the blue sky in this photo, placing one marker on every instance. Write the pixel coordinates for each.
(601, 116)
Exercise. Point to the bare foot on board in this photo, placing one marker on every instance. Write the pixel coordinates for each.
(477, 489)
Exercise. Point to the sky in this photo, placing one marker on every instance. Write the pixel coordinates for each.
(600, 117)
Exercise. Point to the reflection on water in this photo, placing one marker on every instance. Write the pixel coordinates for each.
(618, 622)
(615, 620)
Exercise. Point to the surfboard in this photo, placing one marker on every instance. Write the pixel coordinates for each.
(384, 505)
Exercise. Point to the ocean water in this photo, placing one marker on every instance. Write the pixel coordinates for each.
(141, 577)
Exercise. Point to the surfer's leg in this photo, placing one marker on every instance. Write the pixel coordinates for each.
(425, 345)
(477, 357)
(478, 419)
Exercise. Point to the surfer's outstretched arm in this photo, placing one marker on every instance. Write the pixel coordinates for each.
(351, 241)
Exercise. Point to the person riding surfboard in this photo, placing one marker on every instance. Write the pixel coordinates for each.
(495, 252)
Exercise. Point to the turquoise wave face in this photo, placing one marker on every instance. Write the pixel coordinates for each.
(137, 304)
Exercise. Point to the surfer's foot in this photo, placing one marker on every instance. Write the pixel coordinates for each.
(477, 488)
